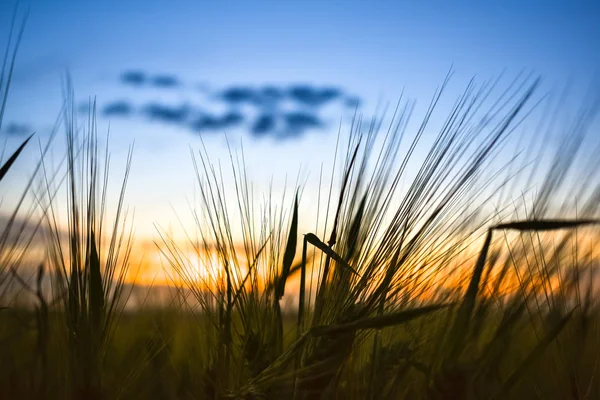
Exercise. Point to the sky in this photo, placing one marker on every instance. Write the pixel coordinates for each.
(277, 76)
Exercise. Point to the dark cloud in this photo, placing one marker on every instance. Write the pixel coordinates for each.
(271, 93)
(239, 94)
(166, 113)
(299, 122)
(118, 109)
(267, 123)
(136, 78)
(352, 101)
(139, 78)
(209, 122)
(165, 81)
(265, 96)
(88, 106)
(287, 125)
(264, 125)
(268, 96)
(17, 129)
(294, 118)
(313, 96)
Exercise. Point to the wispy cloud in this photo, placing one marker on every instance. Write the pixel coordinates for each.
(238, 94)
(136, 78)
(304, 94)
(118, 108)
(264, 125)
(165, 113)
(140, 78)
(16, 129)
(286, 125)
(298, 122)
(279, 111)
(165, 81)
(313, 96)
(265, 96)
(352, 101)
(209, 122)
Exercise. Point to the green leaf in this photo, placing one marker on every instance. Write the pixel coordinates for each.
(13, 158)
(315, 241)
(290, 252)
(354, 233)
(377, 322)
(295, 268)
(250, 268)
(40, 276)
(96, 290)
(463, 316)
(535, 353)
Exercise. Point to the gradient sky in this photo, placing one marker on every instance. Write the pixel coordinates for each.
(371, 50)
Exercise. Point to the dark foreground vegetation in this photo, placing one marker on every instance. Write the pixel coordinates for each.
(468, 276)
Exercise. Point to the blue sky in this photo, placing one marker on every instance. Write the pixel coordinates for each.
(367, 50)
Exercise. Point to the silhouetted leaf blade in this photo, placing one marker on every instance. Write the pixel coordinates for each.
(546, 225)
(290, 251)
(13, 158)
(535, 353)
(315, 241)
(377, 322)
(96, 290)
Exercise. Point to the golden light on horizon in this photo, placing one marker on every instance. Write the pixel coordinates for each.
(185, 265)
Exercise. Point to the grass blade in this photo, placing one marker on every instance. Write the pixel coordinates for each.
(290, 252)
(13, 158)
(377, 322)
(315, 241)
(536, 352)
(354, 234)
(252, 266)
(461, 323)
(546, 225)
(96, 291)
